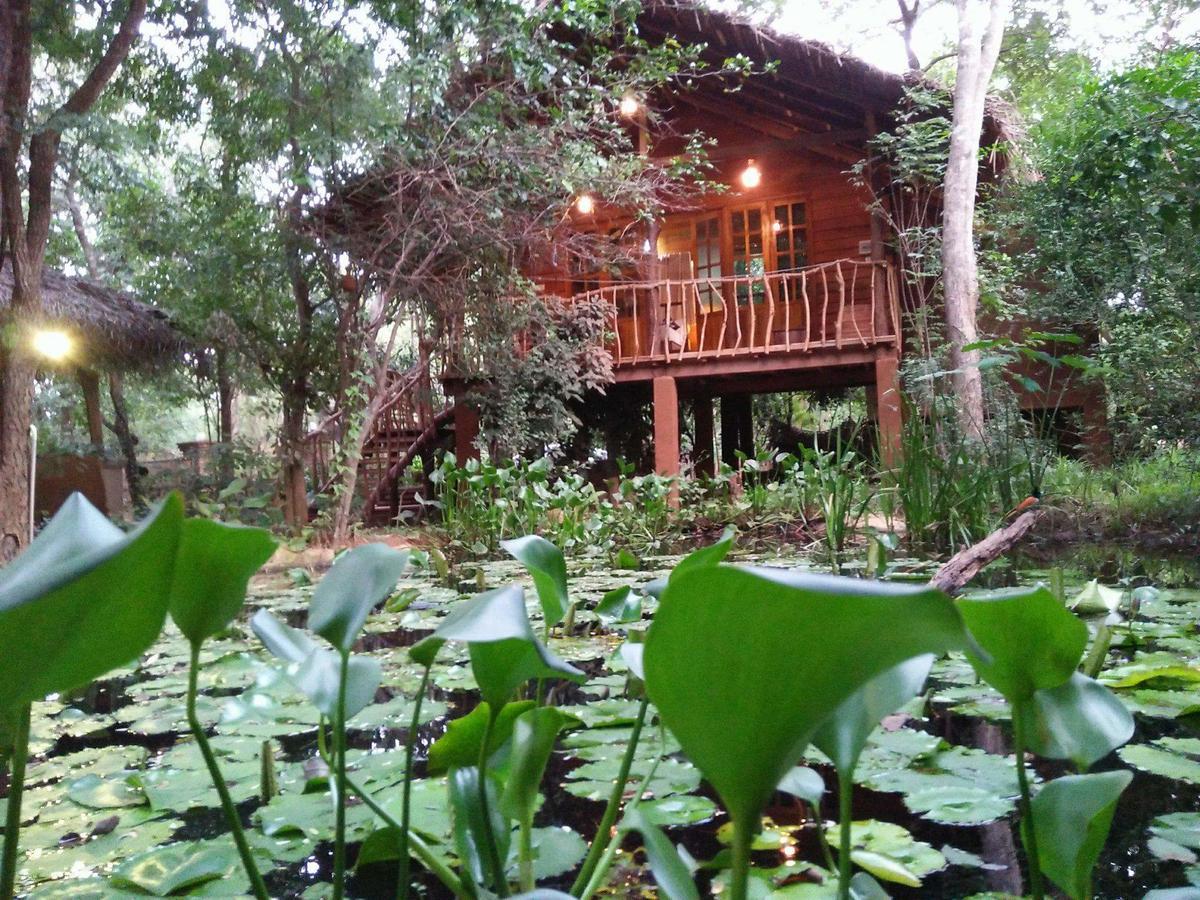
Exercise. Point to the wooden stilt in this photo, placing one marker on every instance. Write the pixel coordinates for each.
(702, 412)
(887, 404)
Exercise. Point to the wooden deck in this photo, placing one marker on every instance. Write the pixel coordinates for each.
(779, 319)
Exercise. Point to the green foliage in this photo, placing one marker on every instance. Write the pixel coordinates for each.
(1110, 230)
(360, 579)
(546, 565)
(83, 599)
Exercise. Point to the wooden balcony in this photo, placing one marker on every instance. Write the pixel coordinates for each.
(846, 307)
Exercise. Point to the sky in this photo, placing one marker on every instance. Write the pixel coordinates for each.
(1111, 36)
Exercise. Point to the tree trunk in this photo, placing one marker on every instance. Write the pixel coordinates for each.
(977, 52)
(25, 214)
(126, 439)
(295, 488)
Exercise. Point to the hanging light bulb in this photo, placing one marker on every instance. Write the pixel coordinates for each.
(629, 106)
(52, 344)
(585, 204)
(751, 176)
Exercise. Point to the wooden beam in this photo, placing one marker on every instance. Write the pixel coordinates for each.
(666, 431)
(743, 365)
(813, 141)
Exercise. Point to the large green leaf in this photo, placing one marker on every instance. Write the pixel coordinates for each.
(620, 606)
(470, 835)
(672, 874)
(844, 734)
(316, 670)
(505, 652)
(549, 570)
(212, 569)
(1031, 641)
(176, 868)
(1071, 818)
(460, 745)
(360, 578)
(533, 737)
(1080, 720)
(84, 598)
(701, 558)
(745, 664)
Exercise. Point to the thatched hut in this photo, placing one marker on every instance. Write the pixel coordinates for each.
(105, 330)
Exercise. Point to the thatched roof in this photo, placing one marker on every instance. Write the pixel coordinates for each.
(813, 87)
(110, 328)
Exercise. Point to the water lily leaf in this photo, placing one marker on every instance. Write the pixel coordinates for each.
(1032, 641)
(549, 571)
(958, 804)
(1167, 757)
(804, 783)
(505, 653)
(84, 598)
(680, 809)
(359, 579)
(212, 569)
(459, 746)
(594, 780)
(620, 606)
(1080, 720)
(556, 851)
(1071, 817)
(1096, 598)
(735, 631)
(844, 734)
(1149, 666)
(1180, 828)
(97, 792)
(672, 874)
(176, 868)
(534, 734)
(890, 852)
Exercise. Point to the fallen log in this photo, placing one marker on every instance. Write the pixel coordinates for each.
(957, 572)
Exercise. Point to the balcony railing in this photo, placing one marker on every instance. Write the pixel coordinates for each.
(840, 305)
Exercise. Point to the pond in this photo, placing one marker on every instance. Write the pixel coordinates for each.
(119, 797)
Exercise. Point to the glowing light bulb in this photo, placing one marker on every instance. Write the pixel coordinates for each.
(777, 226)
(52, 344)
(586, 204)
(629, 106)
(751, 175)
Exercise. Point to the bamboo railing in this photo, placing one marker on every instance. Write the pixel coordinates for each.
(839, 305)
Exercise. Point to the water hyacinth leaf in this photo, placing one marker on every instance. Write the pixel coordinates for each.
(712, 555)
(1080, 720)
(505, 653)
(633, 656)
(805, 783)
(533, 737)
(864, 887)
(470, 833)
(620, 606)
(212, 569)
(459, 746)
(315, 670)
(735, 631)
(359, 579)
(548, 569)
(673, 876)
(1031, 641)
(84, 598)
(1071, 818)
(1097, 598)
(176, 868)
(844, 734)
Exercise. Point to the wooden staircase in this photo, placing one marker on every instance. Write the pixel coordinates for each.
(405, 427)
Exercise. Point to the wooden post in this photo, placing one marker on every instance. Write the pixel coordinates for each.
(666, 426)
(879, 284)
(702, 412)
(887, 407)
(89, 381)
(1097, 440)
(466, 429)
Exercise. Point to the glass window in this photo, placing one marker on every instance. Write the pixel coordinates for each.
(746, 228)
(790, 228)
(708, 260)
